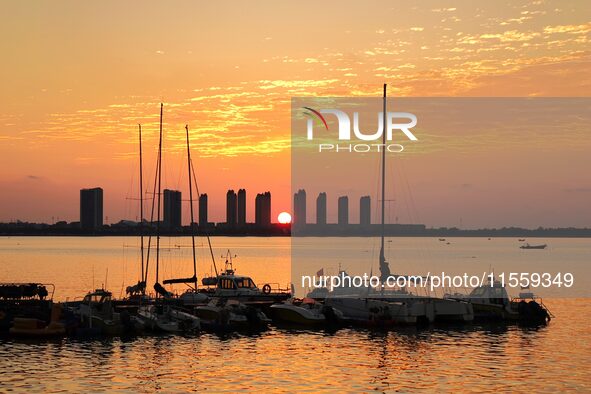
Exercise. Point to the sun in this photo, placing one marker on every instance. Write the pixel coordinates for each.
(284, 218)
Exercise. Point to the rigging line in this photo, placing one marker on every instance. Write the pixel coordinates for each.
(151, 218)
(159, 197)
(205, 231)
(141, 180)
(191, 206)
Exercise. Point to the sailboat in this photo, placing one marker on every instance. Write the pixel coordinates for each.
(389, 306)
(163, 315)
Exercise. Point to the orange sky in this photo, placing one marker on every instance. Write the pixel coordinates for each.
(77, 78)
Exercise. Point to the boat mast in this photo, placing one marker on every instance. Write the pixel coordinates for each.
(189, 165)
(384, 269)
(158, 202)
(141, 208)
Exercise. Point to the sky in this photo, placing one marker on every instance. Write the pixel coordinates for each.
(77, 78)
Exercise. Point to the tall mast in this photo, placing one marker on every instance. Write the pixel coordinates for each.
(159, 189)
(189, 164)
(141, 205)
(384, 269)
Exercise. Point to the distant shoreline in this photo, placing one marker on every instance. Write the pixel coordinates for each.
(285, 230)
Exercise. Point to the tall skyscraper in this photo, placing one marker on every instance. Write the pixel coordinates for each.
(91, 208)
(299, 208)
(343, 210)
(241, 207)
(203, 209)
(365, 210)
(321, 208)
(172, 209)
(231, 206)
(262, 210)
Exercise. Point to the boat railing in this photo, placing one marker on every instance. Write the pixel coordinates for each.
(21, 287)
(275, 287)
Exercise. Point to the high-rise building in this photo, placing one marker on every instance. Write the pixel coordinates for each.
(172, 209)
(241, 207)
(91, 208)
(262, 210)
(321, 208)
(365, 210)
(299, 208)
(343, 210)
(203, 209)
(231, 206)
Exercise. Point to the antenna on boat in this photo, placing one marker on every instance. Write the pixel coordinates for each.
(189, 165)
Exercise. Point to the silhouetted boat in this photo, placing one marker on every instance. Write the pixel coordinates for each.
(225, 314)
(389, 306)
(96, 312)
(528, 246)
(228, 284)
(37, 328)
(493, 303)
(306, 312)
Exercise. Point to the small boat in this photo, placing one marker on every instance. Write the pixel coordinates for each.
(306, 312)
(528, 246)
(96, 311)
(441, 239)
(225, 314)
(36, 328)
(521, 239)
(492, 302)
(166, 318)
(241, 288)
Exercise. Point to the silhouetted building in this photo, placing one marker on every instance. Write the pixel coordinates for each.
(343, 210)
(242, 207)
(203, 209)
(321, 208)
(231, 207)
(365, 210)
(172, 209)
(299, 208)
(91, 208)
(262, 211)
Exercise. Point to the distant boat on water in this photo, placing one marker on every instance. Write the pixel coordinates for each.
(521, 239)
(528, 246)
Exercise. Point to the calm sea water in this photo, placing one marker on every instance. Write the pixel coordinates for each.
(468, 358)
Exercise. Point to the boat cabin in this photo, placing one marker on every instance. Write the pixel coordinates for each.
(495, 294)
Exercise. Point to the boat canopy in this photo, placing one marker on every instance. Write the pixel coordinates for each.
(192, 279)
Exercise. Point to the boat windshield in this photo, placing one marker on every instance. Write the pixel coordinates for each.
(245, 283)
(93, 298)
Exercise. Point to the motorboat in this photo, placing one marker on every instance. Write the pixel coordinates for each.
(227, 314)
(96, 311)
(167, 318)
(492, 302)
(528, 246)
(37, 328)
(227, 284)
(306, 312)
